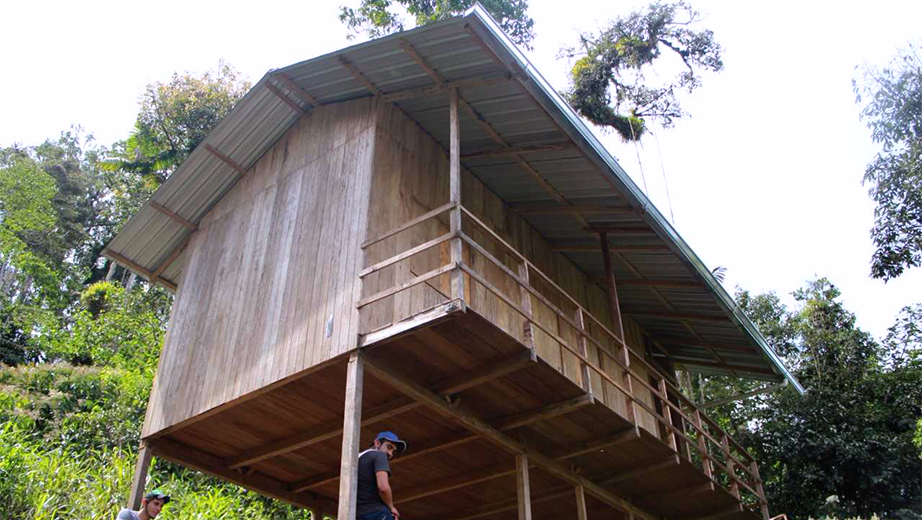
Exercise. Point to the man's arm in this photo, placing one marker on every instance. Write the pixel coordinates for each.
(384, 490)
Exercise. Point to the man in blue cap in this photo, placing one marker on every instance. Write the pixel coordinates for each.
(150, 507)
(375, 499)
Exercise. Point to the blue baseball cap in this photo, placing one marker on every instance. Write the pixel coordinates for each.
(392, 437)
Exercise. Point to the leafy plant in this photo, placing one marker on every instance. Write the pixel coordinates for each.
(609, 84)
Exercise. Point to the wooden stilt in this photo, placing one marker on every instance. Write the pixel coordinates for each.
(616, 323)
(352, 429)
(454, 172)
(522, 487)
(140, 477)
(581, 513)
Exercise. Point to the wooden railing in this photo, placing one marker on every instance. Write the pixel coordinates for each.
(682, 426)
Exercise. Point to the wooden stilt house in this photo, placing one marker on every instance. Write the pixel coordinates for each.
(417, 234)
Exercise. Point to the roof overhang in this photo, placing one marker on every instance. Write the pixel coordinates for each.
(563, 181)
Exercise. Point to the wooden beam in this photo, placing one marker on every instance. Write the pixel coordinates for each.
(523, 488)
(297, 90)
(581, 513)
(439, 90)
(685, 342)
(421, 62)
(359, 76)
(641, 248)
(661, 283)
(513, 150)
(316, 435)
(546, 412)
(256, 481)
(352, 432)
(179, 220)
(489, 372)
(140, 476)
(546, 209)
(691, 490)
(427, 318)
(288, 101)
(694, 362)
(225, 159)
(582, 448)
(127, 262)
(678, 315)
(478, 426)
(170, 259)
(615, 310)
(454, 194)
(620, 230)
(667, 462)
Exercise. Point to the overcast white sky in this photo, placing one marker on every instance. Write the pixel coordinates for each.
(765, 178)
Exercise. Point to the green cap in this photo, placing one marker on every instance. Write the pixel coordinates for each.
(157, 494)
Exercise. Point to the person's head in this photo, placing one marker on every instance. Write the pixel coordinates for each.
(389, 443)
(153, 502)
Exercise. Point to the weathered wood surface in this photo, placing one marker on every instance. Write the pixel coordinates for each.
(271, 277)
(410, 179)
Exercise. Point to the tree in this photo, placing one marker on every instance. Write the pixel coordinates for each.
(174, 118)
(618, 59)
(378, 18)
(893, 111)
(851, 433)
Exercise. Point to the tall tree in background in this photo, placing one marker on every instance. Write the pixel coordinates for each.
(174, 118)
(892, 99)
(609, 84)
(851, 433)
(377, 18)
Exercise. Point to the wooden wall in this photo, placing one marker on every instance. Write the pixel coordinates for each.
(270, 284)
(271, 281)
(411, 178)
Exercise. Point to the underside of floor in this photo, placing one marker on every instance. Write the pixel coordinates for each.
(286, 441)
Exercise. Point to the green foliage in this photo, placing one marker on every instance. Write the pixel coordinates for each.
(378, 18)
(174, 118)
(71, 483)
(608, 85)
(892, 100)
(851, 434)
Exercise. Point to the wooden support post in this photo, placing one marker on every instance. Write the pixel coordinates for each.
(581, 513)
(140, 477)
(526, 306)
(763, 504)
(352, 429)
(667, 414)
(522, 487)
(454, 173)
(619, 327)
(703, 447)
(731, 467)
(582, 345)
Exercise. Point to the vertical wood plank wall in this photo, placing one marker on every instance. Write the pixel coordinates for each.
(410, 178)
(271, 281)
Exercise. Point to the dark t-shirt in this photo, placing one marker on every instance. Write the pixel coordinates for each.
(370, 463)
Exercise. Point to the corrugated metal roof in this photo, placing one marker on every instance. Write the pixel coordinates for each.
(512, 103)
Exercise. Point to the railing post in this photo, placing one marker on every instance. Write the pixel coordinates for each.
(526, 305)
(763, 504)
(583, 346)
(454, 184)
(731, 468)
(616, 321)
(703, 446)
(667, 414)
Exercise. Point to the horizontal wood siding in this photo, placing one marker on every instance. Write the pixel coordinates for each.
(271, 281)
(411, 178)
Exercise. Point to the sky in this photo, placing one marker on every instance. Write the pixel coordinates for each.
(764, 178)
